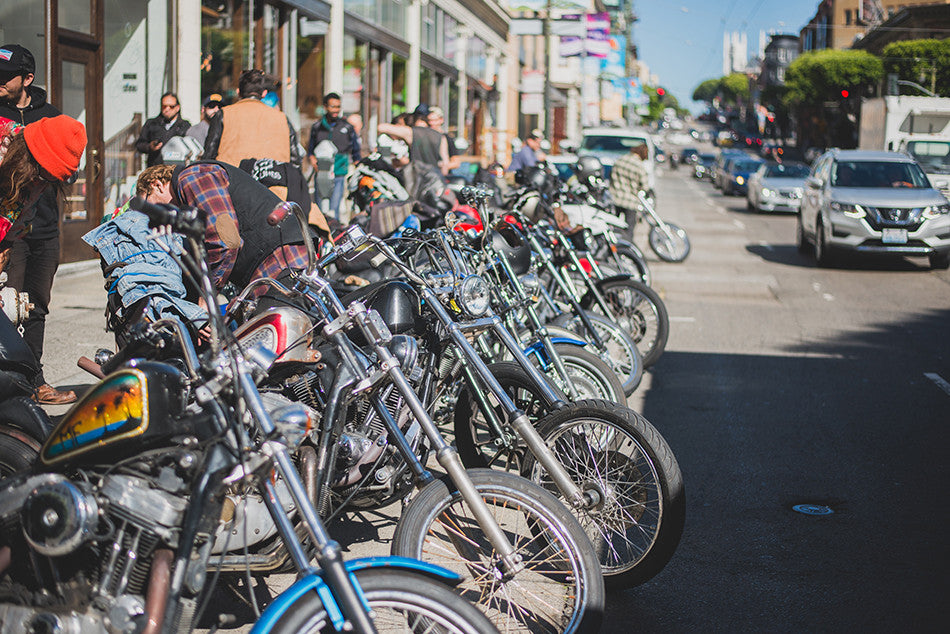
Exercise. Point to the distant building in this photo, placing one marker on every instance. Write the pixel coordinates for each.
(840, 23)
(781, 50)
(910, 23)
(735, 53)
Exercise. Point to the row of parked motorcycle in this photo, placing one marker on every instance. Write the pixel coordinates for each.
(206, 456)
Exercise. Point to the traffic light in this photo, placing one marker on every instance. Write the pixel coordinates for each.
(660, 92)
(844, 94)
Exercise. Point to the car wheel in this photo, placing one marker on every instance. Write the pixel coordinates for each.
(940, 261)
(822, 255)
(749, 206)
(800, 238)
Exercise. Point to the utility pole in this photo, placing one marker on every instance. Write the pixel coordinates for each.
(546, 36)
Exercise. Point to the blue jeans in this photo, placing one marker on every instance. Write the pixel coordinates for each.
(336, 196)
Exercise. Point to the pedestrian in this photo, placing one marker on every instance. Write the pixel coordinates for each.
(628, 177)
(34, 159)
(158, 130)
(241, 244)
(436, 121)
(210, 107)
(333, 136)
(249, 128)
(425, 144)
(530, 152)
(34, 257)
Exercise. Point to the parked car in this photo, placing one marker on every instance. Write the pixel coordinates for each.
(777, 187)
(863, 201)
(703, 168)
(736, 180)
(688, 155)
(720, 167)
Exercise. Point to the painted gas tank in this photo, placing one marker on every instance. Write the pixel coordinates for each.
(131, 410)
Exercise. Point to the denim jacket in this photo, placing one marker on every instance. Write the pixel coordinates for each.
(146, 270)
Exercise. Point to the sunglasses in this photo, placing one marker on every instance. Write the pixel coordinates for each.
(169, 105)
(9, 75)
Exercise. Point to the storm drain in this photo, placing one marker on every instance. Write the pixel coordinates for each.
(812, 509)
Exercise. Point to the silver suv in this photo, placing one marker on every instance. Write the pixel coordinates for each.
(873, 202)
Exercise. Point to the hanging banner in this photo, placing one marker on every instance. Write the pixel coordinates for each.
(615, 62)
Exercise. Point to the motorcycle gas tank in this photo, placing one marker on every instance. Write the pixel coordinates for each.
(284, 330)
(395, 301)
(132, 409)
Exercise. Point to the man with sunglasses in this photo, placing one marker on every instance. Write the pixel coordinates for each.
(157, 130)
(34, 256)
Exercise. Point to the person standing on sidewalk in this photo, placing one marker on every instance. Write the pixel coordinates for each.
(210, 107)
(530, 153)
(425, 144)
(157, 130)
(627, 178)
(340, 136)
(34, 257)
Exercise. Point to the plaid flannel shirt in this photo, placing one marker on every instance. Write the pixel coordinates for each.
(628, 176)
(206, 186)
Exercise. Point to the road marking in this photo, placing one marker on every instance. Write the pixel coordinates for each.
(828, 297)
(738, 223)
(686, 320)
(939, 381)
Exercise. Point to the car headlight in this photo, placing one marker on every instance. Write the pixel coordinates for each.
(852, 211)
(934, 211)
(766, 192)
(740, 180)
(474, 296)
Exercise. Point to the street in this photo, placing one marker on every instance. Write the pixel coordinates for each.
(782, 384)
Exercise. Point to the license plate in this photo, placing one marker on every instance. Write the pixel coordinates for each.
(894, 236)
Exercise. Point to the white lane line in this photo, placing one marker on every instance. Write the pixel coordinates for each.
(939, 381)
(828, 297)
(738, 223)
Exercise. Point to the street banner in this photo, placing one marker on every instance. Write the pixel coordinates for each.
(615, 62)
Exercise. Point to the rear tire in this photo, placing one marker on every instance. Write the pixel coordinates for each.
(401, 600)
(18, 450)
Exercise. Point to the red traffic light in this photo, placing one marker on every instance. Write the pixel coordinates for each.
(844, 94)
(660, 92)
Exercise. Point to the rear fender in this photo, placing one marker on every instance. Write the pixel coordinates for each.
(25, 414)
(315, 582)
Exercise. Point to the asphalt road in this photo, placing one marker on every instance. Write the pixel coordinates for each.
(782, 384)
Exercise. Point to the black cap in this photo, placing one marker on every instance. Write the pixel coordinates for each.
(422, 109)
(15, 58)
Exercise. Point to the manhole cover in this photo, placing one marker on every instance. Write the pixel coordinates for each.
(812, 509)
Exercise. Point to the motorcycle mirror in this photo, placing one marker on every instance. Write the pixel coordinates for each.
(351, 241)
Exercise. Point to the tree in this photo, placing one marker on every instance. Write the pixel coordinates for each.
(707, 90)
(926, 62)
(816, 77)
(734, 88)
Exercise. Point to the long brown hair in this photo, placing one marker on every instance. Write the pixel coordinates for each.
(18, 171)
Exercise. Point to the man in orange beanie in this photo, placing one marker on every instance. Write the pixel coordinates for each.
(47, 152)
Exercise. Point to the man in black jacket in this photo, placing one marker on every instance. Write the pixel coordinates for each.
(34, 257)
(157, 130)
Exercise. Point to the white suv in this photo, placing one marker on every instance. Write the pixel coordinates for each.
(609, 144)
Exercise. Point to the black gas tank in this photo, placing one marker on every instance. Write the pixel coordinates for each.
(396, 301)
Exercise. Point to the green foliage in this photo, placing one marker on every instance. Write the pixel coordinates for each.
(706, 91)
(819, 76)
(731, 89)
(920, 61)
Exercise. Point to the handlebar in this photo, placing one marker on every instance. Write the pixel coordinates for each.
(188, 221)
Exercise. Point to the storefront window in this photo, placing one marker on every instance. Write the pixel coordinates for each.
(450, 37)
(311, 61)
(23, 22)
(399, 85)
(75, 15)
(354, 65)
(475, 57)
(224, 46)
(135, 76)
(389, 14)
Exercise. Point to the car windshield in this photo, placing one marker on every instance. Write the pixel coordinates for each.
(745, 166)
(878, 174)
(933, 156)
(622, 144)
(781, 170)
(707, 159)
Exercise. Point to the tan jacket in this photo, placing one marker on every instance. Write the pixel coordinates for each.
(253, 130)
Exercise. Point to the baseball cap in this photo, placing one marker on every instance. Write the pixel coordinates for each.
(422, 108)
(15, 58)
(537, 133)
(212, 100)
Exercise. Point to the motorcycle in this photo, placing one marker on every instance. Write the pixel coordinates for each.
(153, 471)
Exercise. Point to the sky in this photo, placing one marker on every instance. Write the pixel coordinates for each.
(681, 40)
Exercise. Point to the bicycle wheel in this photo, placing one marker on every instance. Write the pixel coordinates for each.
(478, 444)
(670, 245)
(639, 311)
(401, 601)
(558, 586)
(591, 376)
(637, 526)
(619, 349)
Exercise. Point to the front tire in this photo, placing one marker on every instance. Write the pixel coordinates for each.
(801, 239)
(822, 254)
(619, 347)
(401, 600)
(592, 376)
(637, 527)
(559, 586)
(670, 246)
(639, 311)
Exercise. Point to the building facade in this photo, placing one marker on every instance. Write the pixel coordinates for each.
(107, 63)
(839, 24)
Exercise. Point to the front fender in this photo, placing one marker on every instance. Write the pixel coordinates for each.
(314, 582)
(537, 348)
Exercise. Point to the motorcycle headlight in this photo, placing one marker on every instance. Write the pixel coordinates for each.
(532, 286)
(473, 295)
(852, 211)
(934, 211)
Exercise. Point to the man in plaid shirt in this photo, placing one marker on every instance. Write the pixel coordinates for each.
(241, 245)
(629, 176)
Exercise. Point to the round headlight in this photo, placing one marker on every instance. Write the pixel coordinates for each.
(532, 285)
(474, 295)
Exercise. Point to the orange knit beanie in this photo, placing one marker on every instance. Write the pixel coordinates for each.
(57, 144)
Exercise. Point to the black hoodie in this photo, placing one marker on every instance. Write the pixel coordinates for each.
(46, 222)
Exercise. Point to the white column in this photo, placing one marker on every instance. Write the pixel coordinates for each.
(461, 52)
(188, 62)
(333, 71)
(289, 70)
(414, 63)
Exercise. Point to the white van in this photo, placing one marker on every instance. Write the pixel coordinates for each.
(609, 144)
